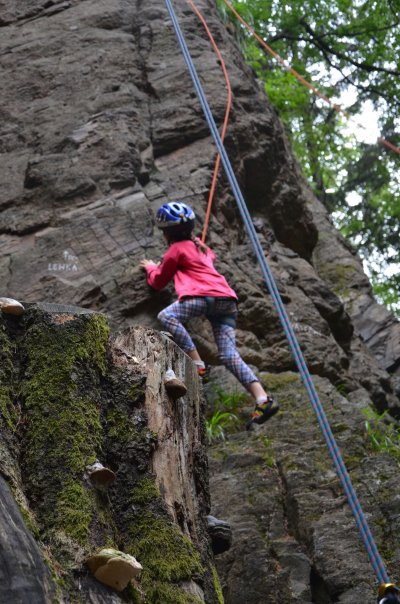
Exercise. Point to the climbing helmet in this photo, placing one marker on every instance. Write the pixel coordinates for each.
(175, 215)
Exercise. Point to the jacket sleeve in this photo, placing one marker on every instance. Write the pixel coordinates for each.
(211, 255)
(159, 276)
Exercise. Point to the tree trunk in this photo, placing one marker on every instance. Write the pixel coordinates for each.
(71, 398)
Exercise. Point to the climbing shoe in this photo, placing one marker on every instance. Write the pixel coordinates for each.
(204, 373)
(263, 412)
(388, 594)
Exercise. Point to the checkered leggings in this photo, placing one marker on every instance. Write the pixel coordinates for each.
(177, 313)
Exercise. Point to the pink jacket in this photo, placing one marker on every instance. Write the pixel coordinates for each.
(192, 270)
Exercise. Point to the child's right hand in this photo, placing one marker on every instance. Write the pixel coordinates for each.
(147, 263)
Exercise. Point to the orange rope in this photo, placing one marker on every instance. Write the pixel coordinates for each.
(226, 120)
(337, 108)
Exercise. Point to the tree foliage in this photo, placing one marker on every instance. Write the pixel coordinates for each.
(347, 49)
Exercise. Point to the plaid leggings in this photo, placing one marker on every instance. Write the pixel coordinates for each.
(177, 313)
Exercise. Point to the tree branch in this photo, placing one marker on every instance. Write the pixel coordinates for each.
(321, 44)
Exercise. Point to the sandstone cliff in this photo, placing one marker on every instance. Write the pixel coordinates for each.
(100, 125)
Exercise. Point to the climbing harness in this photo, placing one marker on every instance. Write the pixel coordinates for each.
(337, 108)
(334, 452)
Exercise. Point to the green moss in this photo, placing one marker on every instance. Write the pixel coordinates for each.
(217, 585)
(268, 455)
(120, 428)
(95, 340)
(167, 556)
(68, 436)
(30, 522)
(135, 596)
(342, 389)
(165, 553)
(74, 511)
(352, 461)
(136, 391)
(64, 363)
(277, 381)
(340, 428)
(303, 414)
(340, 276)
(145, 491)
(121, 431)
(170, 594)
(8, 411)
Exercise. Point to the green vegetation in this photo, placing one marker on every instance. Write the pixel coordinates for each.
(229, 401)
(218, 423)
(74, 511)
(169, 594)
(223, 415)
(76, 409)
(167, 556)
(165, 553)
(269, 457)
(63, 429)
(145, 492)
(143, 526)
(349, 48)
(383, 433)
(217, 586)
(8, 410)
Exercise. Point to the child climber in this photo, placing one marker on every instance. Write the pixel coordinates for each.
(202, 291)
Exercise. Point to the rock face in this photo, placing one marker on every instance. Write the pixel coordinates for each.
(69, 398)
(278, 489)
(100, 125)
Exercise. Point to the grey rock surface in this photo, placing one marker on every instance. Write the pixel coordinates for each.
(24, 574)
(279, 491)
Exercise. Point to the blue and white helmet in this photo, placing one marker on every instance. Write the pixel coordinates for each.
(175, 215)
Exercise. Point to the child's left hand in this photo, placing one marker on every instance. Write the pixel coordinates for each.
(147, 263)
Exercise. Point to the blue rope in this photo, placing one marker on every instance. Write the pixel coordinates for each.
(354, 503)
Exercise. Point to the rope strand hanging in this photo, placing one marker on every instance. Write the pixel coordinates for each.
(334, 452)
